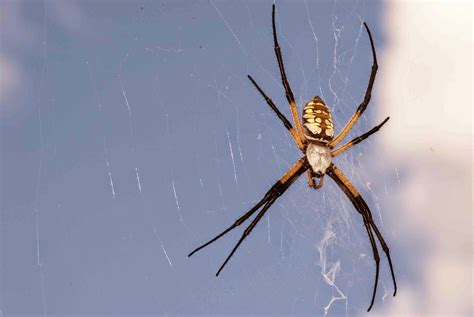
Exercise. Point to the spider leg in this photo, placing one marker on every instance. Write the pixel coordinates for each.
(272, 194)
(289, 93)
(384, 245)
(355, 117)
(358, 139)
(376, 255)
(237, 223)
(363, 209)
(280, 115)
(247, 232)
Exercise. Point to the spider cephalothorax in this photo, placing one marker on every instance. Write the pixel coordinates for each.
(316, 139)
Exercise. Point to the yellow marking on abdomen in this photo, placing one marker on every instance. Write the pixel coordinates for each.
(329, 132)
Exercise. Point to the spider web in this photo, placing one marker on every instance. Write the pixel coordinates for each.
(148, 139)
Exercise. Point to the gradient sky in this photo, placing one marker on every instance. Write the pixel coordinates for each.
(130, 135)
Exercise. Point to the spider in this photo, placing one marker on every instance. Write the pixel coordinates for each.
(315, 138)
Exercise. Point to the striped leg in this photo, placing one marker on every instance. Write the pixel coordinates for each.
(360, 110)
(270, 197)
(359, 139)
(289, 94)
(280, 115)
(361, 206)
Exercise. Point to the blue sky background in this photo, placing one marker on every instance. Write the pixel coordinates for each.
(136, 136)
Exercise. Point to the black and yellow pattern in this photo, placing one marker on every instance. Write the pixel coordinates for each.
(363, 209)
(315, 138)
(317, 121)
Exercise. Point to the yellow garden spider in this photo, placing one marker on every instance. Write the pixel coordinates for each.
(315, 138)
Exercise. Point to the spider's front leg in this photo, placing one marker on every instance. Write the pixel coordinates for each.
(363, 209)
(310, 174)
(265, 203)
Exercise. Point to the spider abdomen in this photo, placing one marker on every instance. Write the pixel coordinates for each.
(317, 121)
